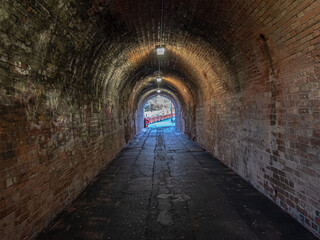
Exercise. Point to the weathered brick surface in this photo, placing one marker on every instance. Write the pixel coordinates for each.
(74, 75)
(55, 133)
(267, 129)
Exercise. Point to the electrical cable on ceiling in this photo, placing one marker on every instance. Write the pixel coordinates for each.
(161, 22)
(160, 50)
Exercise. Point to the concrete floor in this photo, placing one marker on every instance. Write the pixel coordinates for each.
(164, 186)
(165, 123)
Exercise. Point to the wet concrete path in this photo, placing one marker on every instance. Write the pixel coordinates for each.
(164, 186)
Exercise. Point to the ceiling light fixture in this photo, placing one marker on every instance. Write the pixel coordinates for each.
(160, 50)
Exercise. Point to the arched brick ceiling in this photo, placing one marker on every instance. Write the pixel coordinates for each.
(152, 87)
(73, 73)
(206, 43)
(151, 69)
(171, 82)
(194, 32)
(145, 97)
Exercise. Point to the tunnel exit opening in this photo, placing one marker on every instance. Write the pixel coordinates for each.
(159, 111)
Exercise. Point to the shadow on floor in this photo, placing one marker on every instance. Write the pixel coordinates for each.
(162, 185)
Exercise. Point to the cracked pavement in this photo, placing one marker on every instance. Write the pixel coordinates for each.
(162, 185)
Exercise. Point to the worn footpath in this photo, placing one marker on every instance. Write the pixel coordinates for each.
(162, 185)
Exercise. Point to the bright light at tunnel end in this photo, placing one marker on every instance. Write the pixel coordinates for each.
(159, 79)
(160, 50)
(158, 91)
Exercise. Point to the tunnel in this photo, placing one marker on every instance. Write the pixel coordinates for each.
(244, 78)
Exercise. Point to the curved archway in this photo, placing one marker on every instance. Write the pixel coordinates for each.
(159, 111)
(244, 75)
(139, 114)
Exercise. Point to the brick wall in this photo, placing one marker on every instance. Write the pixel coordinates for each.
(267, 129)
(56, 130)
(47, 158)
(246, 74)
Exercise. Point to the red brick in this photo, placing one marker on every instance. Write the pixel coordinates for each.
(245, 78)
